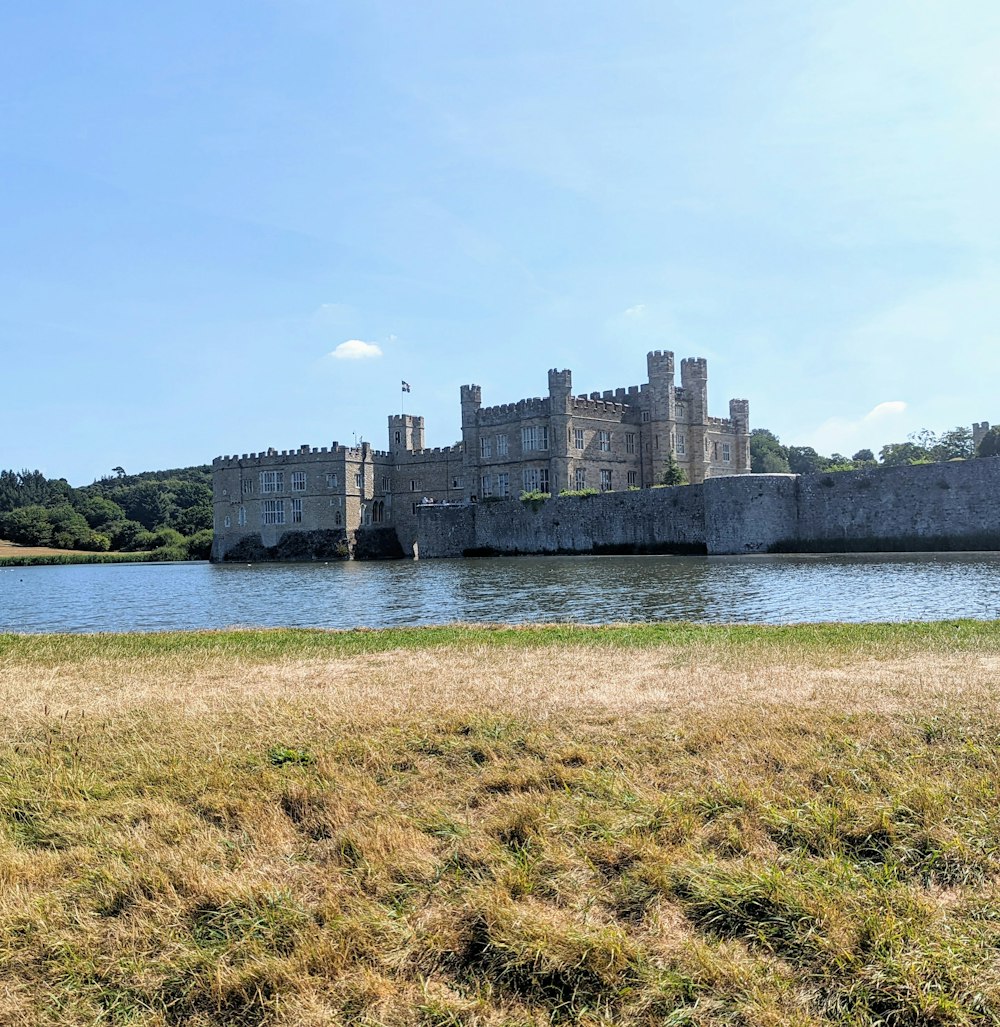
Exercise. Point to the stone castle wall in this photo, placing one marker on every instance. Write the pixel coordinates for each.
(946, 507)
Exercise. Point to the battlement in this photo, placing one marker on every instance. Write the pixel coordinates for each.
(304, 454)
(719, 422)
(534, 407)
(472, 394)
(422, 455)
(660, 364)
(596, 404)
(560, 382)
(694, 367)
(979, 430)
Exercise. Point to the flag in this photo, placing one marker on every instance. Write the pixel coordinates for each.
(406, 386)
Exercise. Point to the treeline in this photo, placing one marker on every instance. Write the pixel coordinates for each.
(165, 513)
(769, 456)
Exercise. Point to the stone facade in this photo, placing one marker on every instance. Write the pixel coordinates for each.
(926, 507)
(979, 430)
(609, 441)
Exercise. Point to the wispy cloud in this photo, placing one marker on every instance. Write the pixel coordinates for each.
(846, 435)
(636, 312)
(355, 349)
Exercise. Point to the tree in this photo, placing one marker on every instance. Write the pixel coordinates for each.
(899, 454)
(767, 454)
(989, 445)
(956, 444)
(805, 460)
(673, 473)
(118, 472)
(864, 456)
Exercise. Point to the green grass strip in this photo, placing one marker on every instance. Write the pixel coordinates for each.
(876, 640)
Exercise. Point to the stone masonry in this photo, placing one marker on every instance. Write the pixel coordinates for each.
(338, 500)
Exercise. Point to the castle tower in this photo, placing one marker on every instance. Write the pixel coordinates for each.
(406, 433)
(694, 382)
(979, 430)
(560, 417)
(657, 437)
(739, 414)
(472, 401)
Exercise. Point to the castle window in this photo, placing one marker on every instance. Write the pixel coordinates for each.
(502, 445)
(242, 520)
(227, 522)
(399, 436)
(715, 451)
(536, 479)
(359, 480)
(503, 485)
(457, 483)
(414, 506)
(485, 447)
(413, 485)
(272, 511)
(272, 481)
(645, 415)
(337, 519)
(580, 481)
(486, 486)
(681, 445)
(630, 442)
(578, 438)
(298, 481)
(632, 480)
(726, 453)
(386, 483)
(332, 481)
(604, 441)
(605, 479)
(246, 486)
(377, 513)
(296, 511)
(534, 437)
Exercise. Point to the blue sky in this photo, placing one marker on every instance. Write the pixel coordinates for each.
(202, 201)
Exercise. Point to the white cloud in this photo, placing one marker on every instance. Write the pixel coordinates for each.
(355, 349)
(637, 311)
(845, 435)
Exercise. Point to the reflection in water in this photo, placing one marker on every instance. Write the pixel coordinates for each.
(149, 597)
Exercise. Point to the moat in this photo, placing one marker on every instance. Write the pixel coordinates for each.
(150, 597)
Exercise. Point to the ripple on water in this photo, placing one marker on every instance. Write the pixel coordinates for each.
(583, 589)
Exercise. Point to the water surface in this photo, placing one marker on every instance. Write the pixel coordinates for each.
(580, 589)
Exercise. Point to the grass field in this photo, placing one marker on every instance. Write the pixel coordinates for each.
(12, 549)
(469, 825)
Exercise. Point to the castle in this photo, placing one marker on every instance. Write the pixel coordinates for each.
(310, 502)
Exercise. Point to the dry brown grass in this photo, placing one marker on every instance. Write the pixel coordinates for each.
(702, 833)
(13, 549)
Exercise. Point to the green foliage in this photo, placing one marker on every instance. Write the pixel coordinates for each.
(805, 460)
(673, 473)
(281, 755)
(990, 443)
(767, 454)
(578, 492)
(534, 495)
(199, 545)
(124, 513)
(900, 454)
(863, 456)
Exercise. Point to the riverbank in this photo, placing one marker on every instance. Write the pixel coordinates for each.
(474, 825)
(14, 555)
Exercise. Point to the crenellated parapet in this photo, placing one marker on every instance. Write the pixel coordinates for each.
(505, 412)
(304, 454)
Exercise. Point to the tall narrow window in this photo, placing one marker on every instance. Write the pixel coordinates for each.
(246, 486)
(605, 480)
(726, 453)
(578, 438)
(296, 511)
(503, 484)
(298, 481)
(632, 479)
(681, 445)
(243, 517)
(486, 485)
(485, 447)
(630, 442)
(502, 445)
(359, 479)
(580, 481)
(272, 511)
(332, 480)
(604, 441)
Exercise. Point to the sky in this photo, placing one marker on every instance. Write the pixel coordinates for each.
(236, 224)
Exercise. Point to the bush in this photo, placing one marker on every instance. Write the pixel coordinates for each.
(534, 495)
(577, 492)
(199, 545)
